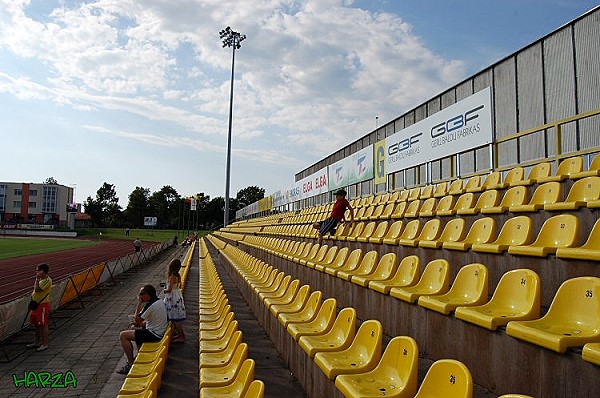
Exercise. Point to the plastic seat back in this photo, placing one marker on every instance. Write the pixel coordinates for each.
(441, 190)
(473, 184)
(406, 274)
(464, 204)
(380, 231)
(329, 256)
(514, 175)
(427, 192)
(237, 388)
(343, 260)
(365, 267)
(590, 250)
(412, 210)
(516, 231)
(548, 192)
(558, 231)
(569, 166)
(414, 194)
(431, 230)
(338, 338)
(256, 389)
(385, 267)
(355, 231)
(377, 212)
(453, 231)
(584, 190)
(492, 181)
(395, 230)
(387, 211)
(446, 204)
(427, 209)
(320, 324)
(306, 313)
(482, 231)
(367, 232)
(487, 199)
(539, 171)
(434, 280)
(456, 187)
(219, 376)
(446, 378)
(514, 196)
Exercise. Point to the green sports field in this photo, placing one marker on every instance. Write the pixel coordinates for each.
(18, 247)
(146, 235)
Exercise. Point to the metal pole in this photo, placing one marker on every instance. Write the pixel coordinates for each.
(228, 172)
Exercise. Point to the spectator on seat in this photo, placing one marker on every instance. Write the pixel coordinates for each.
(337, 215)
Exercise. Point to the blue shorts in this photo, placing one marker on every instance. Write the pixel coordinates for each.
(328, 226)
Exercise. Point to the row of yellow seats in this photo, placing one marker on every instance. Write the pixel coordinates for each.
(225, 369)
(350, 357)
(570, 322)
(145, 376)
(558, 235)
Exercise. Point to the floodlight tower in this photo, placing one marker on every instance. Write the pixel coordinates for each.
(231, 39)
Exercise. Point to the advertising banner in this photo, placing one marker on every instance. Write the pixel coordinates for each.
(352, 169)
(380, 176)
(150, 221)
(313, 185)
(457, 128)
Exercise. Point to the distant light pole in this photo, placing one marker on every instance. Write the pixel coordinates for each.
(230, 39)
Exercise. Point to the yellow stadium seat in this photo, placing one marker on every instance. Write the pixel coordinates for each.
(557, 231)
(275, 290)
(470, 288)
(355, 232)
(351, 261)
(456, 187)
(295, 305)
(406, 274)
(358, 213)
(394, 197)
(256, 389)
(592, 171)
(384, 270)
(591, 353)
(369, 211)
(441, 190)
(223, 375)
(283, 297)
(536, 173)
(386, 213)
(365, 267)
(514, 175)
(431, 230)
(446, 378)
(590, 250)
(492, 181)
(367, 232)
(427, 192)
(453, 231)
(517, 297)
(146, 369)
(582, 192)
(473, 184)
(414, 194)
(434, 280)
(482, 231)
(219, 345)
(307, 249)
(393, 234)
(140, 385)
(412, 211)
(320, 324)
(149, 393)
(306, 313)
(445, 206)
(224, 319)
(394, 376)
(309, 255)
(516, 231)
(341, 256)
(378, 235)
(238, 386)
(216, 317)
(338, 338)
(571, 321)
(362, 355)
(515, 396)
(151, 356)
(565, 169)
(486, 199)
(327, 258)
(340, 233)
(157, 345)
(544, 194)
(270, 284)
(399, 211)
(319, 255)
(221, 358)
(428, 208)
(514, 196)
(229, 327)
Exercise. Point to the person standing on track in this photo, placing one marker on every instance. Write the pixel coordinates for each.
(137, 245)
(337, 215)
(40, 313)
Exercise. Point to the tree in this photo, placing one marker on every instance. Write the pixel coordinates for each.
(163, 204)
(51, 181)
(137, 207)
(105, 209)
(248, 195)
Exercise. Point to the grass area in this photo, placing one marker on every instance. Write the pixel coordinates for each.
(146, 235)
(18, 247)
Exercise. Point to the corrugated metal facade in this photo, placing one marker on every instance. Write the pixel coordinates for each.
(555, 77)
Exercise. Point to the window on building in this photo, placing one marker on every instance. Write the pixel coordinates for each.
(18, 192)
(33, 192)
(49, 200)
(2, 197)
(32, 205)
(17, 203)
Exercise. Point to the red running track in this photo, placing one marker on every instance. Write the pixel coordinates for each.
(18, 274)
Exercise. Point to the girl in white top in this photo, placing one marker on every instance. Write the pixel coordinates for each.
(174, 299)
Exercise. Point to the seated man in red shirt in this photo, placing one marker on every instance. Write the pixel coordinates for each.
(337, 215)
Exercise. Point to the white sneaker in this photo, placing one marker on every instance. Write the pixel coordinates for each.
(32, 345)
(43, 347)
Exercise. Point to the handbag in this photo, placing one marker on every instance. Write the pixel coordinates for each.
(33, 305)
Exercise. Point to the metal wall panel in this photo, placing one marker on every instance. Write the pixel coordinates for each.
(448, 98)
(433, 106)
(559, 84)
(447, 168)
(482, 159)
(436, 170)
(530, 88)
(464, 89)
(398, 125)
(467, 162)
(482, 80)
(507, 154)
(421, 113)
(587, 56)
(409, 119)
(505, 98)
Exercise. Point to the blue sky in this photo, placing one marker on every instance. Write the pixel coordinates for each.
(136, 93)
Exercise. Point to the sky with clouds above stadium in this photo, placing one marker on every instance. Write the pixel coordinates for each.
(136, 92)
